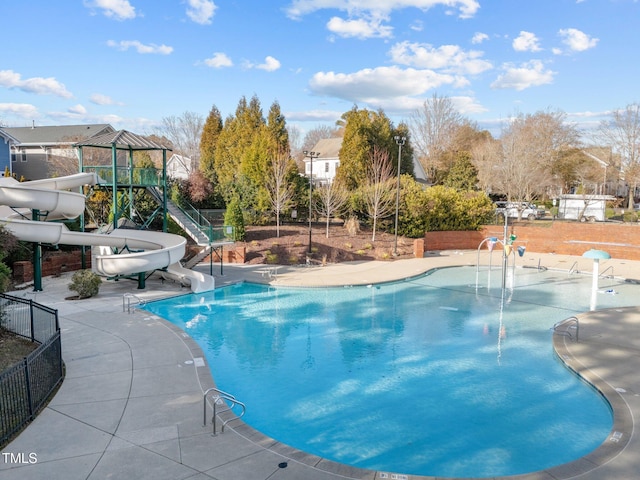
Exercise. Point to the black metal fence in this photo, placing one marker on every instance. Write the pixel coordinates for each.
(26, 386)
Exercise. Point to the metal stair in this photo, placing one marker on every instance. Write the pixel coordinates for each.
(196, 226)
(195, 230)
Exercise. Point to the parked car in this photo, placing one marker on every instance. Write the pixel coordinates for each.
(512, 209)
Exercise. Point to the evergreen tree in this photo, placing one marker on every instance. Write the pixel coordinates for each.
(463, 175)
(356, 147)
(406, 163)
(234, 157)
(278, 132)
(365, 130)
(209, 142)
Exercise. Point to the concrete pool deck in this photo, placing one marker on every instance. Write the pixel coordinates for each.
(131, 405)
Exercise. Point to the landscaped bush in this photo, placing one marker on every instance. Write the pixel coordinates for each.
(85, 283)
(440, 209)
(234, 217)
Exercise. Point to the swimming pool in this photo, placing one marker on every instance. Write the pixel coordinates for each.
(431, 376)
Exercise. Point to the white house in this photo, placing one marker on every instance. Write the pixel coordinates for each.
(325, 165)
(179, 167)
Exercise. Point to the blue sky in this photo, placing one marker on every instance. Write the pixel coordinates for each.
(132, 62)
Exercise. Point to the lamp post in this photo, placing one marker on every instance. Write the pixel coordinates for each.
(400, 141)
(311, 156)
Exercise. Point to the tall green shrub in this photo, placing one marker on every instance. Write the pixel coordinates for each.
(233, 217)
(440, 208)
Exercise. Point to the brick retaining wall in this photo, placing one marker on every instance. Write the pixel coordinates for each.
(565, 238)
(52, 263)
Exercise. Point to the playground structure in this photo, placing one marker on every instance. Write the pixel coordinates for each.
(33, 212)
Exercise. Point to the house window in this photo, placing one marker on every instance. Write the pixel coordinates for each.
(18, 154)
(326, 167)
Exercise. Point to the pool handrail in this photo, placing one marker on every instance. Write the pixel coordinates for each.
(218, 398)
(565, 323)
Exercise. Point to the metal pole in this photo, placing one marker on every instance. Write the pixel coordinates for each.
(311, 156)
(400, 141)
(310, 192)
(505, 259)
(37, 257)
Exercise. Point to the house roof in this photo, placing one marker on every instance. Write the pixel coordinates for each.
(328, 148)
(122, 140)
(56, 135)
(8, 138)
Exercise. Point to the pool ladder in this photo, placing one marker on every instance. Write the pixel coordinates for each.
(610, 276)
(574, 268)
(218, 407)
(129, 302)
(562, 327)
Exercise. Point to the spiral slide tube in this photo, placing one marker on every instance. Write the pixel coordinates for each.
(138, 250)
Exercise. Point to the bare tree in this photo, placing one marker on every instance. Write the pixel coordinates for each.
(520, 166)
(331, 198)
(378, 189)
(280, 190)
(319, 133)
(485, 156)
(622, 133)
(295, 140)
(433, 128)
(184, 132)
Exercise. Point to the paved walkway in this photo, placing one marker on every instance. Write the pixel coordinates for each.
(130, 406)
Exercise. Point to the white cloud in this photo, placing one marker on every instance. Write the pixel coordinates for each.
(84, 117)
(576, 40)
(140, 47)
(201, 11)
(270, 64)
(530, 74)
(526, 42)
(314, 116)
(100, 99)
(372, 85)
(378, 8)
(449, 58)
(467, 105)
(38, 85)
(417, 26)
(219, 60)
(479, 37)
(77, 110)
(24, 110)
(359, 28)
(118, 9)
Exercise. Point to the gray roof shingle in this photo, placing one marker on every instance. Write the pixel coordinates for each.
(57, 135)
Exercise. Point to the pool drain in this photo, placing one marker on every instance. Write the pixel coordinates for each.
(283, 465)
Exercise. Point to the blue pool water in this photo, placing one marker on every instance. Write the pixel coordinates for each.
(437, 375)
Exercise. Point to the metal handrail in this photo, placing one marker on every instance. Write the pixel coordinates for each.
(610, 267)
(127, 301)
(149, 177)
(218, 399)
(573, 268)
(203, 224)
(565, 323)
